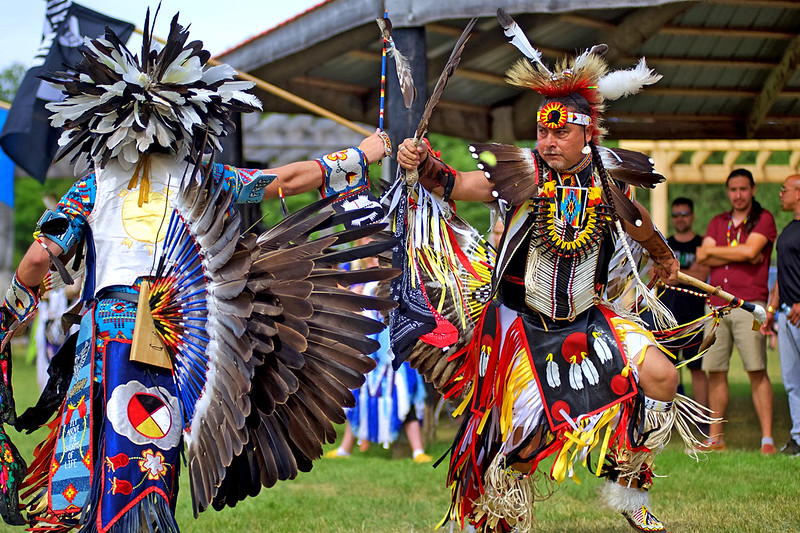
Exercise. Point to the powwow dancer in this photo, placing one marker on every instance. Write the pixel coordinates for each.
(237, 351)
(554, 368)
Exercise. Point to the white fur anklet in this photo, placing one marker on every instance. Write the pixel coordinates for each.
(622, 498)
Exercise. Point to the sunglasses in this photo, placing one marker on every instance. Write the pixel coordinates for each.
(681, 214)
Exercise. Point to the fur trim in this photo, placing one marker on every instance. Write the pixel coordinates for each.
(621, 498)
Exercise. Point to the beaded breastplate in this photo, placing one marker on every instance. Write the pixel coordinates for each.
(567, 231)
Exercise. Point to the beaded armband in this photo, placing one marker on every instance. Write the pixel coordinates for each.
(21, 300)
(345, 172)
(58, 228)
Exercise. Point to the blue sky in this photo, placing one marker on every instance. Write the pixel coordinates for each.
(219, 24)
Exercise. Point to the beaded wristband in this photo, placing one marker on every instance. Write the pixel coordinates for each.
(21, 300)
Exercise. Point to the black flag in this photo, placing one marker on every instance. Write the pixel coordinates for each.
(27, 137)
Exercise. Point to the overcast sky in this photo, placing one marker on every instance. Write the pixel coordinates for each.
(220, 24)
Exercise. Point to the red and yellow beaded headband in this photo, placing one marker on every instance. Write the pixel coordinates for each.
(554, 115)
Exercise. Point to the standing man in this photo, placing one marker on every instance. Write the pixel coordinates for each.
(737, 246)
(688, 307)
(786, 299)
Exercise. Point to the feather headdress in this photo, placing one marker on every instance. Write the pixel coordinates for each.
(586, 75)
(119, 105)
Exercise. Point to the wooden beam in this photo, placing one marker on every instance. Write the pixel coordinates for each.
(782, 4)
(640, 26)
(773, 86)
(736, 33)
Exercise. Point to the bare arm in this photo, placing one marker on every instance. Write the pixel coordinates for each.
(469, 186)
(303, 176)
(750, 251)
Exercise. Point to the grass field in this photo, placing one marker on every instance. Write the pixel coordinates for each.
(383, 491)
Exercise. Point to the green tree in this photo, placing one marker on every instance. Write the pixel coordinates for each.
(10, 78)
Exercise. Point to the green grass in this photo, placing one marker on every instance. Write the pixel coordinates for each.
(383, 491)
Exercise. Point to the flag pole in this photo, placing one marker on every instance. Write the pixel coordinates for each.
(286, 95)
(4, 105)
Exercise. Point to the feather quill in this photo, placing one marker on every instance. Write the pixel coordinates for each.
(401, 63)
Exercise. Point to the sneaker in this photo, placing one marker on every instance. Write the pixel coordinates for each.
(334, 454)
(768, 449)
(641, 519)
(791, 448)
(422, 458)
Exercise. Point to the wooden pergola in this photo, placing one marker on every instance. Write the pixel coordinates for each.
(667, 153)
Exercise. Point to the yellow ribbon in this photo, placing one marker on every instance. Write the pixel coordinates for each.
(143, 167)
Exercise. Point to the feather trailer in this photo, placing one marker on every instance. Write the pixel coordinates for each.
(630, 167)
(310, 344)
(401, 63)
(511, 169)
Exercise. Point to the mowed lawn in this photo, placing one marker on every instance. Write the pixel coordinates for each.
(738, 490)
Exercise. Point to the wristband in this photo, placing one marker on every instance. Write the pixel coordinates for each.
(770, 309)
(387, 143)
(21, 300)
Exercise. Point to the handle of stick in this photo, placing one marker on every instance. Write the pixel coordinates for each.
(756, 310)
(412, 176)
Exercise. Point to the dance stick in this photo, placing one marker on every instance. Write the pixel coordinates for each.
(756, 310)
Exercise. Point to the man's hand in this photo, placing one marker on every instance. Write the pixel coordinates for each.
(667, 271)
(376, 146)
(410, 156)
(794, 314)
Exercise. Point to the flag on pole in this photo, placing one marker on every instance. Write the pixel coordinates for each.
(6, 170)
(27, 137)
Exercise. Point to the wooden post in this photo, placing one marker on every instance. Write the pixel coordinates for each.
(401, 123)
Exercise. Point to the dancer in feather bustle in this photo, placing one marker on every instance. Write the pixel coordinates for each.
(237, 351)
(554, 369)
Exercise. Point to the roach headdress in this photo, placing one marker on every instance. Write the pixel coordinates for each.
(119, 105)
(585, 78)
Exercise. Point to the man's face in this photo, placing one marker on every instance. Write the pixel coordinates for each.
(561, 147)
(740, 193)
(790, 192)
(682, 218)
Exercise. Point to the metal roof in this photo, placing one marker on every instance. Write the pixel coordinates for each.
(729, 67)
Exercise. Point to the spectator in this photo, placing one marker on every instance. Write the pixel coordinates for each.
(688, 307)
(785, 299)
(387, 400)
(737, 247)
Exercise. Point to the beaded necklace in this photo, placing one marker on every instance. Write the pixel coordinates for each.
(735, 241)
(574, 171)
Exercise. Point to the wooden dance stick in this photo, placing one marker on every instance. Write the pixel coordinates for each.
(756, 310)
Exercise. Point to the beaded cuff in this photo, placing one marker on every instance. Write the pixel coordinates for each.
(345, 172)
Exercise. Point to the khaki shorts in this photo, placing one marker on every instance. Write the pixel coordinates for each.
(737, 328)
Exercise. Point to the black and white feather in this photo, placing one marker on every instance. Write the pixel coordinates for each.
(119, 105)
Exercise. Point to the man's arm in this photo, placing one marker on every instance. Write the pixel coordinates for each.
(468, 186)
(303, 176)
(751, 251)
(772, 306)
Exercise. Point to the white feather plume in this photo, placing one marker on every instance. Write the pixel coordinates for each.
(621, 83)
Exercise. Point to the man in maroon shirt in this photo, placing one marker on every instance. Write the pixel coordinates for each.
(737, 246)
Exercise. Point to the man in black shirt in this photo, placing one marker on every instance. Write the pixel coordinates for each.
(688, 307)
(785, 299)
